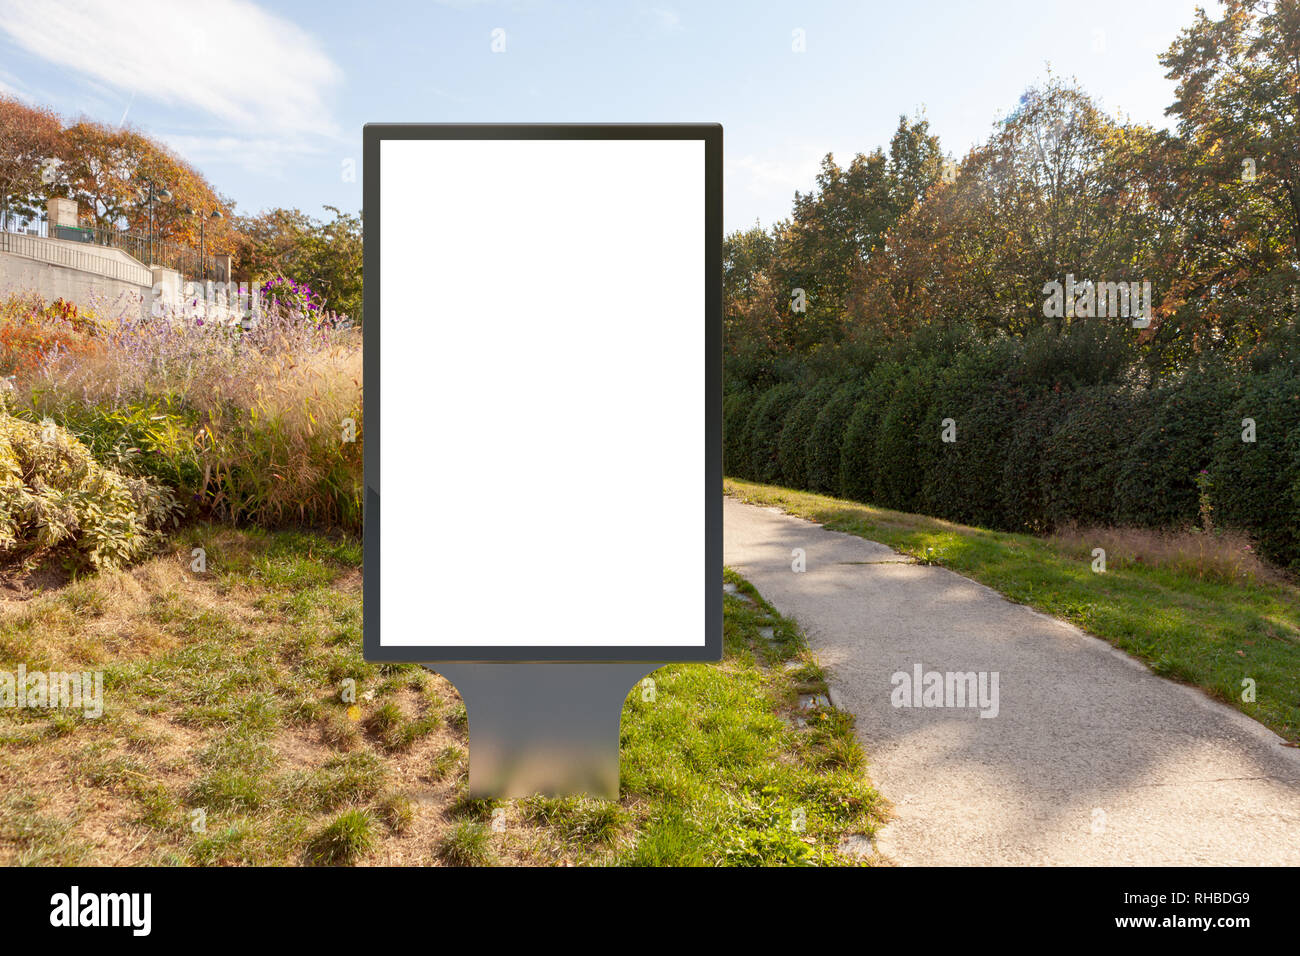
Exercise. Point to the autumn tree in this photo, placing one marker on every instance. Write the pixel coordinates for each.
(193, 199)
(1035, 202)
(1234, 171)
(326, 254)
(29, 135)
(99, 164)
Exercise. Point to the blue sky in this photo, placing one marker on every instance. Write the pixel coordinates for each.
(268, 98)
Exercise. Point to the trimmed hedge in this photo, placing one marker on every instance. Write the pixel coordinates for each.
(822, 449)
(857, 472)
(1038, 411)
(764, 430)
(899, 440)
(1034, 451)
(1157, 486)
(1081, 458)
(792, 451)
(735, 433)
(1255, 485)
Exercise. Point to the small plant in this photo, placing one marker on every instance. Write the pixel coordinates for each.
(589, 822)
(285, 293)
(53, 494)
(349, 836)
(1203, 486)
(468, 844)
(348, 778)
(397, 812)
(448, 759)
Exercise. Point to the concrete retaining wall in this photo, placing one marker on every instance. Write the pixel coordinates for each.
(106, 295)
(105, 280)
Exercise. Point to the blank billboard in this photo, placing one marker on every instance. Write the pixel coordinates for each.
(542, 392)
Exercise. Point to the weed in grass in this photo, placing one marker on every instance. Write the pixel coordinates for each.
(347, 778)
(583, 821)
(63, 724)
(221, 846)
(340, 731)
(347, 837)
(463, 805)
(458, 718)
(670, 839)
(447, 761)
(39, 839)
(158, 808)
(468, 844)
(397, 812)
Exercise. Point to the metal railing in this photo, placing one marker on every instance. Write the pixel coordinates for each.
(184, 259)
(43, 249)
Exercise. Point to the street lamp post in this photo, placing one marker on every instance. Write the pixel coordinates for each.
(162, 195)
(214, 215)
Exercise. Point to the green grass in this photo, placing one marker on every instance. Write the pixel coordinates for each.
(1199, 630)
(719, 772)
(226, 738)
(469, 844)
(349, 836)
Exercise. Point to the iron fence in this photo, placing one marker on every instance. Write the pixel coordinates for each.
(158, 252)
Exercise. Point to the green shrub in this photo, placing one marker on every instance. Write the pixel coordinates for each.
(962, 480)
(1084, 353)
(1037, 412)
(792, 449)
(54, 495)
(857, 471)
(1157, 482)
(822, 448)
(1081, 458)
(897, 455)
(1255, 486)
(764, 429)
(735, 433)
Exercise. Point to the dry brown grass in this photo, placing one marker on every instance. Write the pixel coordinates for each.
(118, 790)
(1217, 555)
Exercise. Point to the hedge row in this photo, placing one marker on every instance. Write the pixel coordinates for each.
(1032, 455)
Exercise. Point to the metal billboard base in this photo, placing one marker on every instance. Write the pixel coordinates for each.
(542, 727)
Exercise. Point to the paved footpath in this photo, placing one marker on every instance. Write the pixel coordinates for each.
(1091, 758)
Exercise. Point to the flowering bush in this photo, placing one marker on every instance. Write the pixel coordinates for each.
(31, 331)
(281, 292)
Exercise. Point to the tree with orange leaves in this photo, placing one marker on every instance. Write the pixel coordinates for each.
(28, 136)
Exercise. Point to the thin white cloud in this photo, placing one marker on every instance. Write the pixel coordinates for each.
(667, 18)
(767, 177)
(261, 155)
(229, 59)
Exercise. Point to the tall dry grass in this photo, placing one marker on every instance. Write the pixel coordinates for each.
(1210, 555)
(261, 425)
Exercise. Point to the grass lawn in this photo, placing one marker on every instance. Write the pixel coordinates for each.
(1201, 630)
(225, 738)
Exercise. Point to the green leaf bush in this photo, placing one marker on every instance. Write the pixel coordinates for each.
(765, 424)
(1051, 430)
(822, 449)
(54, 496)
(792, 448)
